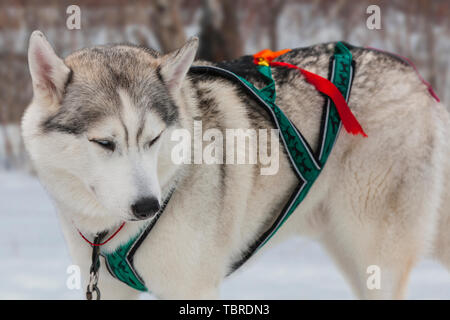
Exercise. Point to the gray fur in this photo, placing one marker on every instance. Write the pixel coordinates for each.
(379, 201)
(96, 75)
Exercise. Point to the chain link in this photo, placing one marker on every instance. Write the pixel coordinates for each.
(95, 267)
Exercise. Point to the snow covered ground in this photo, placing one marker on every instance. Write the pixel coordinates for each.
(34, 259)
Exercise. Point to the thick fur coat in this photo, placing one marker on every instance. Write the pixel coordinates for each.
(382, 200)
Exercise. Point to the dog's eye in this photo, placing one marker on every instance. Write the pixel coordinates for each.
(149, 144)
(106, 144)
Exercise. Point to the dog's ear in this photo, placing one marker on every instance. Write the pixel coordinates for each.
(175, 65)
(48, 72)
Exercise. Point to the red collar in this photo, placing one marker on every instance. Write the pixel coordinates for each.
(106, 241)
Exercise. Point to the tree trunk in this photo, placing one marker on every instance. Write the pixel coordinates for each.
(6, 140)
(167, 25)
(220, 37)
(275, 11)
(430, 41)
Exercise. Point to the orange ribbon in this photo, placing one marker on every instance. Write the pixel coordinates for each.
(266, 56)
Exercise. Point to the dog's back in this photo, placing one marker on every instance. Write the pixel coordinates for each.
(382, 200)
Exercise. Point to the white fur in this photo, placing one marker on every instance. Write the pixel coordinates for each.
(379, 201)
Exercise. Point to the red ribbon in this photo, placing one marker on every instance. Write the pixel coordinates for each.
(325, 86)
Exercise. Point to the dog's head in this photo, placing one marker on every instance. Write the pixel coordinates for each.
(98, 123)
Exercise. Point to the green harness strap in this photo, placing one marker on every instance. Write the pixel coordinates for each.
(306, 164)
(120, 263)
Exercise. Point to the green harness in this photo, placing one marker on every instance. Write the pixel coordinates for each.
(305, 163)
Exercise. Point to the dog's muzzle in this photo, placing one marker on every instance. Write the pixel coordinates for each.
(145, 208)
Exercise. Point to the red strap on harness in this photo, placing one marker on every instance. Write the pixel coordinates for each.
(325, 86)
(266, 57)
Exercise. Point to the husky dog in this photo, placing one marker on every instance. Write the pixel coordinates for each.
(99, 129)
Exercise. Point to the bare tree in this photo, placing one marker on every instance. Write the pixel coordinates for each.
(429, 15)
(220, 34)
(274, 9)
(167, 25)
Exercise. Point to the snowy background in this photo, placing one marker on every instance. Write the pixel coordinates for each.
(33, 255)
(34, 259)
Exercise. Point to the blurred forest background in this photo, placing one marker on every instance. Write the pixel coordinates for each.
(417, 29)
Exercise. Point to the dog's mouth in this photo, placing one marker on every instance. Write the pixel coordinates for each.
(134, 219)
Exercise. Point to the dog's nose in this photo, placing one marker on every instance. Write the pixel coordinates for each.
(145, 208)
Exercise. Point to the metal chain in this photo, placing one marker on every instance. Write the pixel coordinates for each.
(95, 267)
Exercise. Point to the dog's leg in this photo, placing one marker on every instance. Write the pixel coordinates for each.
(186, 286)
(113, 289)
(372, 272)
(442, 241)
(442, 248)
(381, 222)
